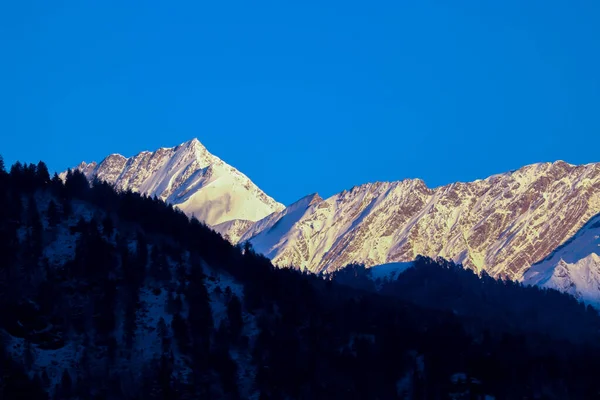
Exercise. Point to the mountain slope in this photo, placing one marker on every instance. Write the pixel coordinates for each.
(234, 229)
(502, 224)
(189, 177)
(268, 233)
(573, 267)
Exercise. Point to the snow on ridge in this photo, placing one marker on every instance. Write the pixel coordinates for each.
(573, 267)
(584, 243)
(233, 230)
(265, 234)
(522, 170)
(189, 177)
(581, 279)
(502, 224)
(389, 270)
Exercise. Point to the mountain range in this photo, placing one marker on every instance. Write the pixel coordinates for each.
(503, 224)
(113, 295)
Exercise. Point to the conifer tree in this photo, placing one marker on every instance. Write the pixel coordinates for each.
(56, 183)
(161, 328)
(16, 175)
(159, 267)
(141, 255)
(130, 323)
(28, 355)
(45, 379)
(53, 214)
(35, 233)
(65, 388)
(42, 174)
(234, 314)
(108, 226)
(77, 185)
(174, 303)
(180, 333)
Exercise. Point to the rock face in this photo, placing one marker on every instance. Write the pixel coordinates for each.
(189, 177)
(234, 229)
(268, 233)
(502, 224)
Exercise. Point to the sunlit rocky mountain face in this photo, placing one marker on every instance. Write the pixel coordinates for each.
(189, 177)
(503, 224)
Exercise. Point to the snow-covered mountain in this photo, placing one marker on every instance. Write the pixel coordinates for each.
(573, 267)
(189, 177)
(234, 229)
(267, 233)
(389, 271)
(502, 224)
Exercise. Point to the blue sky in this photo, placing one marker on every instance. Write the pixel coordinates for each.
(311, 96)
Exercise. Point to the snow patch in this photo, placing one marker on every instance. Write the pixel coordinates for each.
(389, 271)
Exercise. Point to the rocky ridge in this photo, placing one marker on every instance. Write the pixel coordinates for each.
(189, 177)
(502, 224)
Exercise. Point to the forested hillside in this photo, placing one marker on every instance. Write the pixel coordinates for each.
(107, 295)
(499, 306)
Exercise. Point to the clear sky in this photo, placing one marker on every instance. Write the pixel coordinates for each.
(305, 96)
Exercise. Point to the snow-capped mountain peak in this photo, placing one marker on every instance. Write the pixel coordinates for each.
(189, 177)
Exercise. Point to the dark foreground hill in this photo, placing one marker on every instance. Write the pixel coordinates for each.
(107, 295)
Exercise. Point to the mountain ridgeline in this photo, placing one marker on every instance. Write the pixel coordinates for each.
(502, 224)
(188, 176)
(509, 225)
(101, 302)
